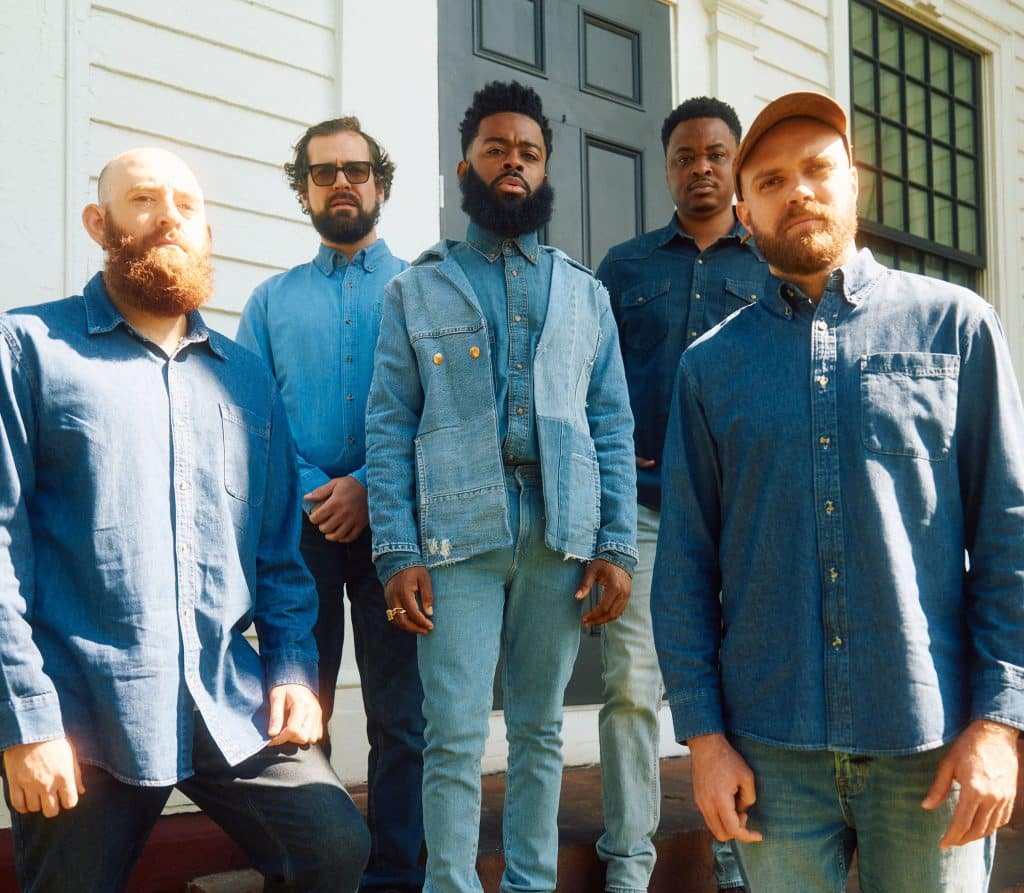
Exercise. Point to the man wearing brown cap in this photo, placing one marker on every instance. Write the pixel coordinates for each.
(844, 465)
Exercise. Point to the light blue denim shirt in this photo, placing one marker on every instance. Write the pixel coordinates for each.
(316, 326)
(435, 470)
(827, 469)
(147, 519)
(513, 296)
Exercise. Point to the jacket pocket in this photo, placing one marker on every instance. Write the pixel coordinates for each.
(643, 313)
(246, 452)
(909, 403)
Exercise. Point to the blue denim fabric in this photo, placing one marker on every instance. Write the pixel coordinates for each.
(147, 518)
(827, 468)
(519, 597)
(513, 298)
(316, 326)
(665, 293)
(815, 808)
(264, 804)
(435, 473)
(392, 698)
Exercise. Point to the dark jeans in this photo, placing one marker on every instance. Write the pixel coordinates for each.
(392, 698)
(284, 806)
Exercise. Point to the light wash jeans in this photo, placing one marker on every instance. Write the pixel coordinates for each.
(816, 807)
(520, 598)
(628, 730)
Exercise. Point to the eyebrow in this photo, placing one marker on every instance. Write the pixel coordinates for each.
(507, 142)
(718, 145)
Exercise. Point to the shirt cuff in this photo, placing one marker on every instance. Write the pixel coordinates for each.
(696, 713)
(626, 562)
(30, 720)
(390, 563)
(293, 670)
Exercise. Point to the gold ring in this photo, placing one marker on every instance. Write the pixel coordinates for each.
(393, 613)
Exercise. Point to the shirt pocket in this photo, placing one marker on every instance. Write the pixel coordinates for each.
(739, 293)
(246, 452)
(909, 403)
(643, 313)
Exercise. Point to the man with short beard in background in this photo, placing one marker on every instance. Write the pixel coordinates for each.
(146, 521)
(316, 326)
(845, 465)
(502, 487)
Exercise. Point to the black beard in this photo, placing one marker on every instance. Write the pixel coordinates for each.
(345, 230)
(505, 217)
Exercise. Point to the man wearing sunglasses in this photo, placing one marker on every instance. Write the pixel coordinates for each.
(316, 326)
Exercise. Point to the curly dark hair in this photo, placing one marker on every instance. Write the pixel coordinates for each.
(297, 171)
(503, 96)
(701, 107)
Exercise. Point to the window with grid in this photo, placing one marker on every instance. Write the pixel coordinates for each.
(917, 145)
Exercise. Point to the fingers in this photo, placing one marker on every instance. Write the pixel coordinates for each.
(613, 602)
(320, 493)
(641, 462)
(302, 718)
(401, 592)
(588, 581)
(427, 594)
(941, 786)
(276, 713)
(19, 802)
(43, 777)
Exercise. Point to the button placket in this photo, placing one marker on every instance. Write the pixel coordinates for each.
(519, 394)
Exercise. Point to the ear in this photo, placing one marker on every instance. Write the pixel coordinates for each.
(743, 214)
(461, 168)
(93, 219)
(855, 180)
(304, 200)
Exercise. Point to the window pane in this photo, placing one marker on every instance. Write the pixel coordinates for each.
(863, 83)
(913, 54)
(964, 127)
(892, 149)
(889, 95)
(908, 258)
(939, 57)
(944, 221)
(934, 266)
(864, 146)
(892, 203)
(916, 107)
(861, 27)
(888, 41)
(967, 229)
(867, 203)
(940, 118)
(958, 274)
(963, 77)
(942, 173)
(919, 216)
(965, 178)
(917, 159)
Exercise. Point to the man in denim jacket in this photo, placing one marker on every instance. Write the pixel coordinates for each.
(147, 519)
(499, 457)
(844, 464)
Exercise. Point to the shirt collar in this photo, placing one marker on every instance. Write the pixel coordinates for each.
(853, 281)
(328, 259)
(675, 230)
(102, 317)
(490, 244)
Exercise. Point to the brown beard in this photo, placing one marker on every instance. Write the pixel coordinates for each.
(808, 253)
(159, 281)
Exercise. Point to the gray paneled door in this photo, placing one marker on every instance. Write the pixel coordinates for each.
(603, 69)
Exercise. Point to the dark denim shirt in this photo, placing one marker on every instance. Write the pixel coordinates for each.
(665, 294)
(147, 518)
(827, 469)
(513, 296)
(316, 326)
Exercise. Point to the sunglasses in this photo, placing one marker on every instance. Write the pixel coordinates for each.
(355, 172)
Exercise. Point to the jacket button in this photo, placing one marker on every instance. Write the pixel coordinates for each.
(438, 359)
(474, 352)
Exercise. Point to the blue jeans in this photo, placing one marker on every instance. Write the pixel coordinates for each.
(815, 808)
(628, 729)
(392, 698)
(520, 598)
(284, 806)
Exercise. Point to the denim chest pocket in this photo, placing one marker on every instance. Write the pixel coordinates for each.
(246, 451)
(644, 313)
(909, 403)
(739, 293)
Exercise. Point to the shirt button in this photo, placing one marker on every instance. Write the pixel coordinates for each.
(519, 411)
(640, 300)
(519, 365)
(510, 458)
(788, 313)
(837, 642)
(185, 612)
(515, 273)
(182, 485)
(696, 296)
(824, 441)
(438, 359)
(693, 333)
(823, 381)
(474, 352)
(788, 292)
(349, 285)
(183, 548)
(348, 322)
(348, 359)
(349, 397)
(829, 506)
(821, 325)
(351, 439)
(180, 421)
(833, 574)
(517, 318)
(700, 260)
(753, 297)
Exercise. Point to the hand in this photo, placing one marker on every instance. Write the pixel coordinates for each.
(295, 715)
(43, 777)
(723, 787)
(400, 592)
(615, 586)
(342, 512)
(983, 759)
(641, 462)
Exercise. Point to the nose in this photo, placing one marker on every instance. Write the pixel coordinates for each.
(168, 214)
(701, 166)
(513, 163)
(801, 191)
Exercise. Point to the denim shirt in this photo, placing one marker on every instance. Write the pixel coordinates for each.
(435, 470)
(665, 293)
(146, 520)
(316, 326)
(513, 296)
(827, 469)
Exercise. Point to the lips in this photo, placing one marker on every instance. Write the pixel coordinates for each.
(702, 186)
(511, 183)
(343, 201)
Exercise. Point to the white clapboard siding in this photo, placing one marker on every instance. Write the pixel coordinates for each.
(793, 49)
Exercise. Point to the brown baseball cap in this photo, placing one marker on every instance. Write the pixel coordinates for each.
(807, 104)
